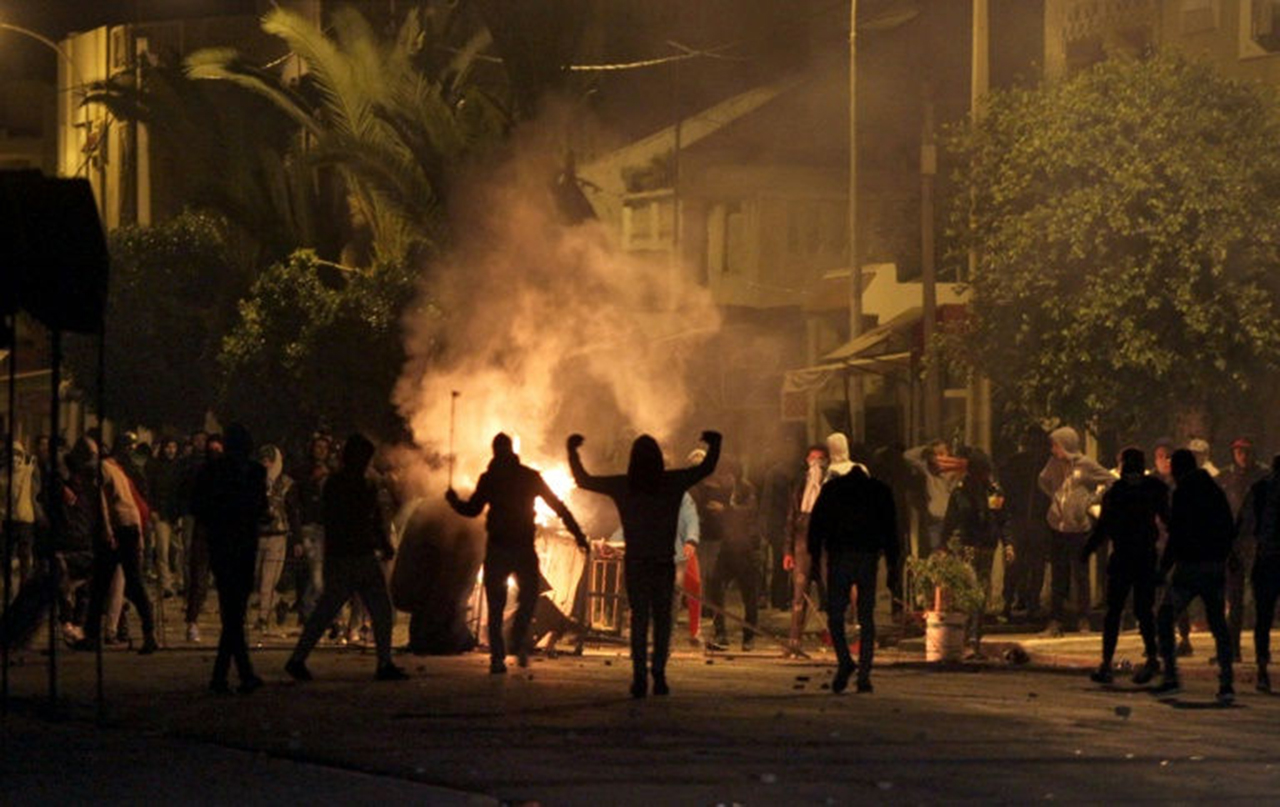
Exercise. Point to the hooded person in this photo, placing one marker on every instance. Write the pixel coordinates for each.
(840, 461)
(1026, 506)
(1260, 522)
(797, 560)
(229, 500)
(1133, 511)
(509, 489)
(1070, 480)
(1200, 448)
(1201, 532)
(277, 531)
(648, 499)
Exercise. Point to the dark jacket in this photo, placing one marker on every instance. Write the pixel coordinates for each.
(649, 517)
(164, 480)
(1201, 528)
(1024, 500)
(228, 499)
(854, 514)
(970, 517)
(510, 489)
(1262, 515)
(1236, 482)
(1130, 508)
(310, 480)
(353, 525)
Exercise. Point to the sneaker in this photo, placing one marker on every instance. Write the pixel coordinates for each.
(1102, 675)
(841, 682)
(1263, 683)
(149, 646)
(1146, 672)
(497, 667)
(1053, 630)
(1169, 686)
(193, 633)
(390, 672)
(864, 686)
(1184, 647)
(1226, 694)
(718, 645)
(250, 685)
(297, 670)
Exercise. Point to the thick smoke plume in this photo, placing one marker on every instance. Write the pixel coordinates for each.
(545, 329)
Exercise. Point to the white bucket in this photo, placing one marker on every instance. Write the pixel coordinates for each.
(944, 636)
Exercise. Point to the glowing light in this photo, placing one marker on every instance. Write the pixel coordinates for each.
(561, 483)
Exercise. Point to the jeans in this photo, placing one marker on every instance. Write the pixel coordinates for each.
(1125, 574)
(313, 551)
(127, 555)
(499, 564)
(345, 578)
(168, 553)
(270, 563)
(1190, 580)
(197, 567)
(735, 565)
(1024, 578)
(1066, 567)
(234, 580)
(650, 589)
(844, 572)
(1266, 590)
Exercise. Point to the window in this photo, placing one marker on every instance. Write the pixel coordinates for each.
(1259, 28)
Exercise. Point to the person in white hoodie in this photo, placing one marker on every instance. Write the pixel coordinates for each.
(840, 463)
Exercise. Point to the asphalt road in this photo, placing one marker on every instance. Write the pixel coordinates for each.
(739, 730)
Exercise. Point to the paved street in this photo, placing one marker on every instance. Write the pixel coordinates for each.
(747, 729)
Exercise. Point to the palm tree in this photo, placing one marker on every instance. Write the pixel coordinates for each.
(393, 130)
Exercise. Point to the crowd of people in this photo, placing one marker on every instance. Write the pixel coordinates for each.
(89, 533)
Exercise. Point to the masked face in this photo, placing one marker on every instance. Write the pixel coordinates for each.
(816, 458)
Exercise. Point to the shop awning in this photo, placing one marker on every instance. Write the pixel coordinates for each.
(883, 350)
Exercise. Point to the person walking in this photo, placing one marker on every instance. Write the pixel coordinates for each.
(354, 536)
(1260, 521)
(1070, 480)
(509, 489)
(1200, 535)
(229, 498)
(853, 522)
(648, 499)
(1133, 511)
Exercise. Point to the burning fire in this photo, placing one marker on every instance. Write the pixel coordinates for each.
(561, 483)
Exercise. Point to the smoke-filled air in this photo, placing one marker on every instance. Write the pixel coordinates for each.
(545, 329)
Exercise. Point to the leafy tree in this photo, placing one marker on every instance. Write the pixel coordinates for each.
(316, 344)
(1126, 223)
(172, 293)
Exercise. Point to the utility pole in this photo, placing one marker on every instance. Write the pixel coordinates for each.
(928, 270)
(978, 417)
(856, 403)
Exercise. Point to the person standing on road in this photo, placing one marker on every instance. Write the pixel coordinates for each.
(354, 536)
(853, 522)
(739, 557)
(1260, 521)
(310, 481)
(509, 489)
(1237, 481)
(975, 515)
(164, 480)
(648, 499)
(1070, 480)
(1028, 532)
(229, 498)
(797, 561)
(1133, 509)
(1200, 536)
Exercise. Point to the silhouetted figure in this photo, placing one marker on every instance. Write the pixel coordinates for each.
(648, 501)
(205, 448)
(120, 546)
(509, 490)
(1070, 480)
(775, 503)
(1200, 535)
(737, 563)
(853, 521)
(907, 484)
(975, 515)
(228, 499)
(1026, 505)
(64, 553)
(1260, 519)
(354, 534)
(1237, 481)
(797, 561)
(1162, 468)
(1130, 511)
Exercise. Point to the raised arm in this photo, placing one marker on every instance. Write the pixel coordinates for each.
(688, 477)
(581, 478)
(475, 505)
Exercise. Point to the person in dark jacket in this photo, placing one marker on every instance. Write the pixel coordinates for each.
(1237, 480)
(1131, 509)
(228, 499)
(1025, 505)
(907, 484)
(648, 500)
(975, 515)
(509, 489)
(1260, 520)
(739, 560)
(853, 521)
(354, 535)
(164, 479)
(1200, 535)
